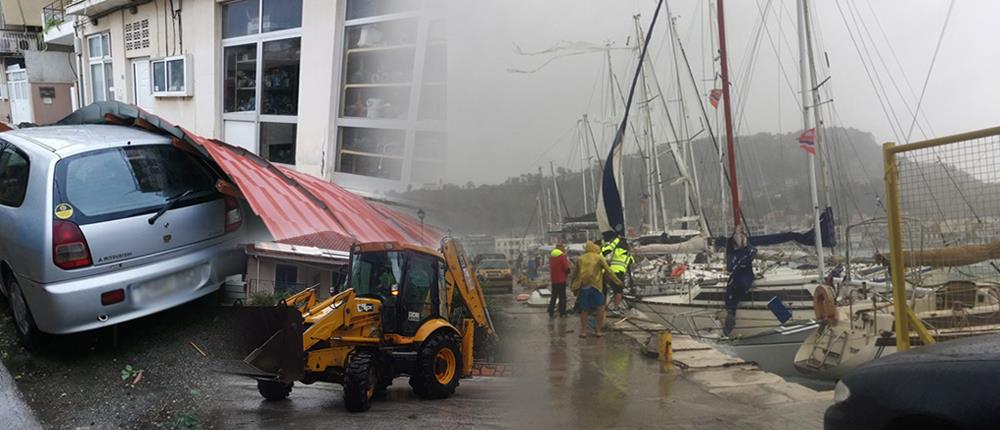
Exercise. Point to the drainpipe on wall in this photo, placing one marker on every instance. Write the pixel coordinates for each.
(78, 50)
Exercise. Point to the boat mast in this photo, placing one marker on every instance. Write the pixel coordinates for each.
(597, 153)
(682, 112)
(676, 149)
(652, 169)
(560, 211)
(804, 85)
(584, 163)
(730, 146)
(825, 178)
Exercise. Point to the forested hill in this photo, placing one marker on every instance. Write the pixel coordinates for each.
(773, 175)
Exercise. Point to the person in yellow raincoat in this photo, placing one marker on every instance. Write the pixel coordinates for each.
(588, 286)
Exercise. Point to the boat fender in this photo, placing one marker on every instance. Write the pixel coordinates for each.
(678, 271)
(824, 304)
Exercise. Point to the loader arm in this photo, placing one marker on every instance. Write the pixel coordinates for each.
(464, 279)
(335, 315)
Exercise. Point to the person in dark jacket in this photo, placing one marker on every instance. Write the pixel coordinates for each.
(558, 271)
(739, 264)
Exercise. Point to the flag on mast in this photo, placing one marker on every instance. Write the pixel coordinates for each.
(714, 96)
(807, 141)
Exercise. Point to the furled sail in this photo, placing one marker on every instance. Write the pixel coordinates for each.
(807, 238)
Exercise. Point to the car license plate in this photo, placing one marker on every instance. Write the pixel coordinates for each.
(155, 289)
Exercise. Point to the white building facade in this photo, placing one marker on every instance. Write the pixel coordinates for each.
(353, 91)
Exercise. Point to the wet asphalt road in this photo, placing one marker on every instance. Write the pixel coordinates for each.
(562, 382)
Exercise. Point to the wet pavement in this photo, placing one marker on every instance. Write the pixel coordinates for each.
(15, 412)
(562, 382)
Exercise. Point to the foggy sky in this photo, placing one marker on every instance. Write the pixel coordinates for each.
(504, 124)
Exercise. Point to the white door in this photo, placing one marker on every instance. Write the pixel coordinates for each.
(241, 133)
(20, 96)
(142, 90)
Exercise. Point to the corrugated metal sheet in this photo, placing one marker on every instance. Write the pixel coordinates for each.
(291, 204)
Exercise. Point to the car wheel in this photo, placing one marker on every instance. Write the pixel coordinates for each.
(24, 322)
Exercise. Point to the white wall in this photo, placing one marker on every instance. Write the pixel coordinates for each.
(30, 10)
(200, 112)
(50, 66)
(318, 94)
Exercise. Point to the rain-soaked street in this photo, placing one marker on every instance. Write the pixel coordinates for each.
(562, 382)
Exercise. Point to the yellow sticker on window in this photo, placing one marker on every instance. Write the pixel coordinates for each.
(64, 211)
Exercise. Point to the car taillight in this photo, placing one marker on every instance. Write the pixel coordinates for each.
(69, 247)
(234, 218)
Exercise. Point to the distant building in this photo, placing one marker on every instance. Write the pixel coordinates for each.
(36, 80)
(511, 246)
(475, 244)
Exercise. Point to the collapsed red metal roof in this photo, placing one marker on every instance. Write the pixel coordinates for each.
(291, 203)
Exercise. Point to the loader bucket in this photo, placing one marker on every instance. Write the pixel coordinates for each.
(280, 357)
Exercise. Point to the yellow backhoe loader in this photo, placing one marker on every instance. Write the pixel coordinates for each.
(399, 314)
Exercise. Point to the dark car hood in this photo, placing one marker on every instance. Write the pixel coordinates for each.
(976, 348)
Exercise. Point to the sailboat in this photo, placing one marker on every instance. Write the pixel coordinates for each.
(699, 310)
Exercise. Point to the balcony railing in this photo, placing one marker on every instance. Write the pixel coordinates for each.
(18, 41)
(54, 14)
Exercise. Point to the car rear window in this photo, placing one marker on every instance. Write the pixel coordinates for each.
(493, 264)
(128, 181)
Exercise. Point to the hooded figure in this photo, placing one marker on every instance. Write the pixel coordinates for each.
(588, 286)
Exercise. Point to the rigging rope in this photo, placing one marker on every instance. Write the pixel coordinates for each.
(930, 68)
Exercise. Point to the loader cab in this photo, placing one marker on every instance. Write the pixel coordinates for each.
(409, 282)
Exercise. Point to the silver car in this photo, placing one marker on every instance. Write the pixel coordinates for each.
(101, 224)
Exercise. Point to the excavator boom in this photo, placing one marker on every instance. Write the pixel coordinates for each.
(463, 277)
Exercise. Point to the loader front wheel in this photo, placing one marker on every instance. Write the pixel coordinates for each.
(360, 381)
(439, 365)
(274, 390)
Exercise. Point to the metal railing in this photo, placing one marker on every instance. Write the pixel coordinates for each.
(255, 286)
(54, 13)
(18, 41)
(948, 184)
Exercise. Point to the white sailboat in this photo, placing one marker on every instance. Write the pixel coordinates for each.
(699, 310)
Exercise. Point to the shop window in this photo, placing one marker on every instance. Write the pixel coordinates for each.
(240, 18)
(277, 142)
(367, 8)
(281, 15)
(280, 82)
(247, 17)
(392, 90)
(240, 86)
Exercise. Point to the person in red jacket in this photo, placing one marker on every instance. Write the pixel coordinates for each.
(558, 270)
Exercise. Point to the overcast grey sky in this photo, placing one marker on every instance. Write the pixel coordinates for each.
(503, 124)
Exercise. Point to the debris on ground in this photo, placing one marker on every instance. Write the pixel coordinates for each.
(200, 351)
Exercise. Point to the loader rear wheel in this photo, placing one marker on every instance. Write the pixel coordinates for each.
(274, 390)
(360, 381)
(439, 365)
